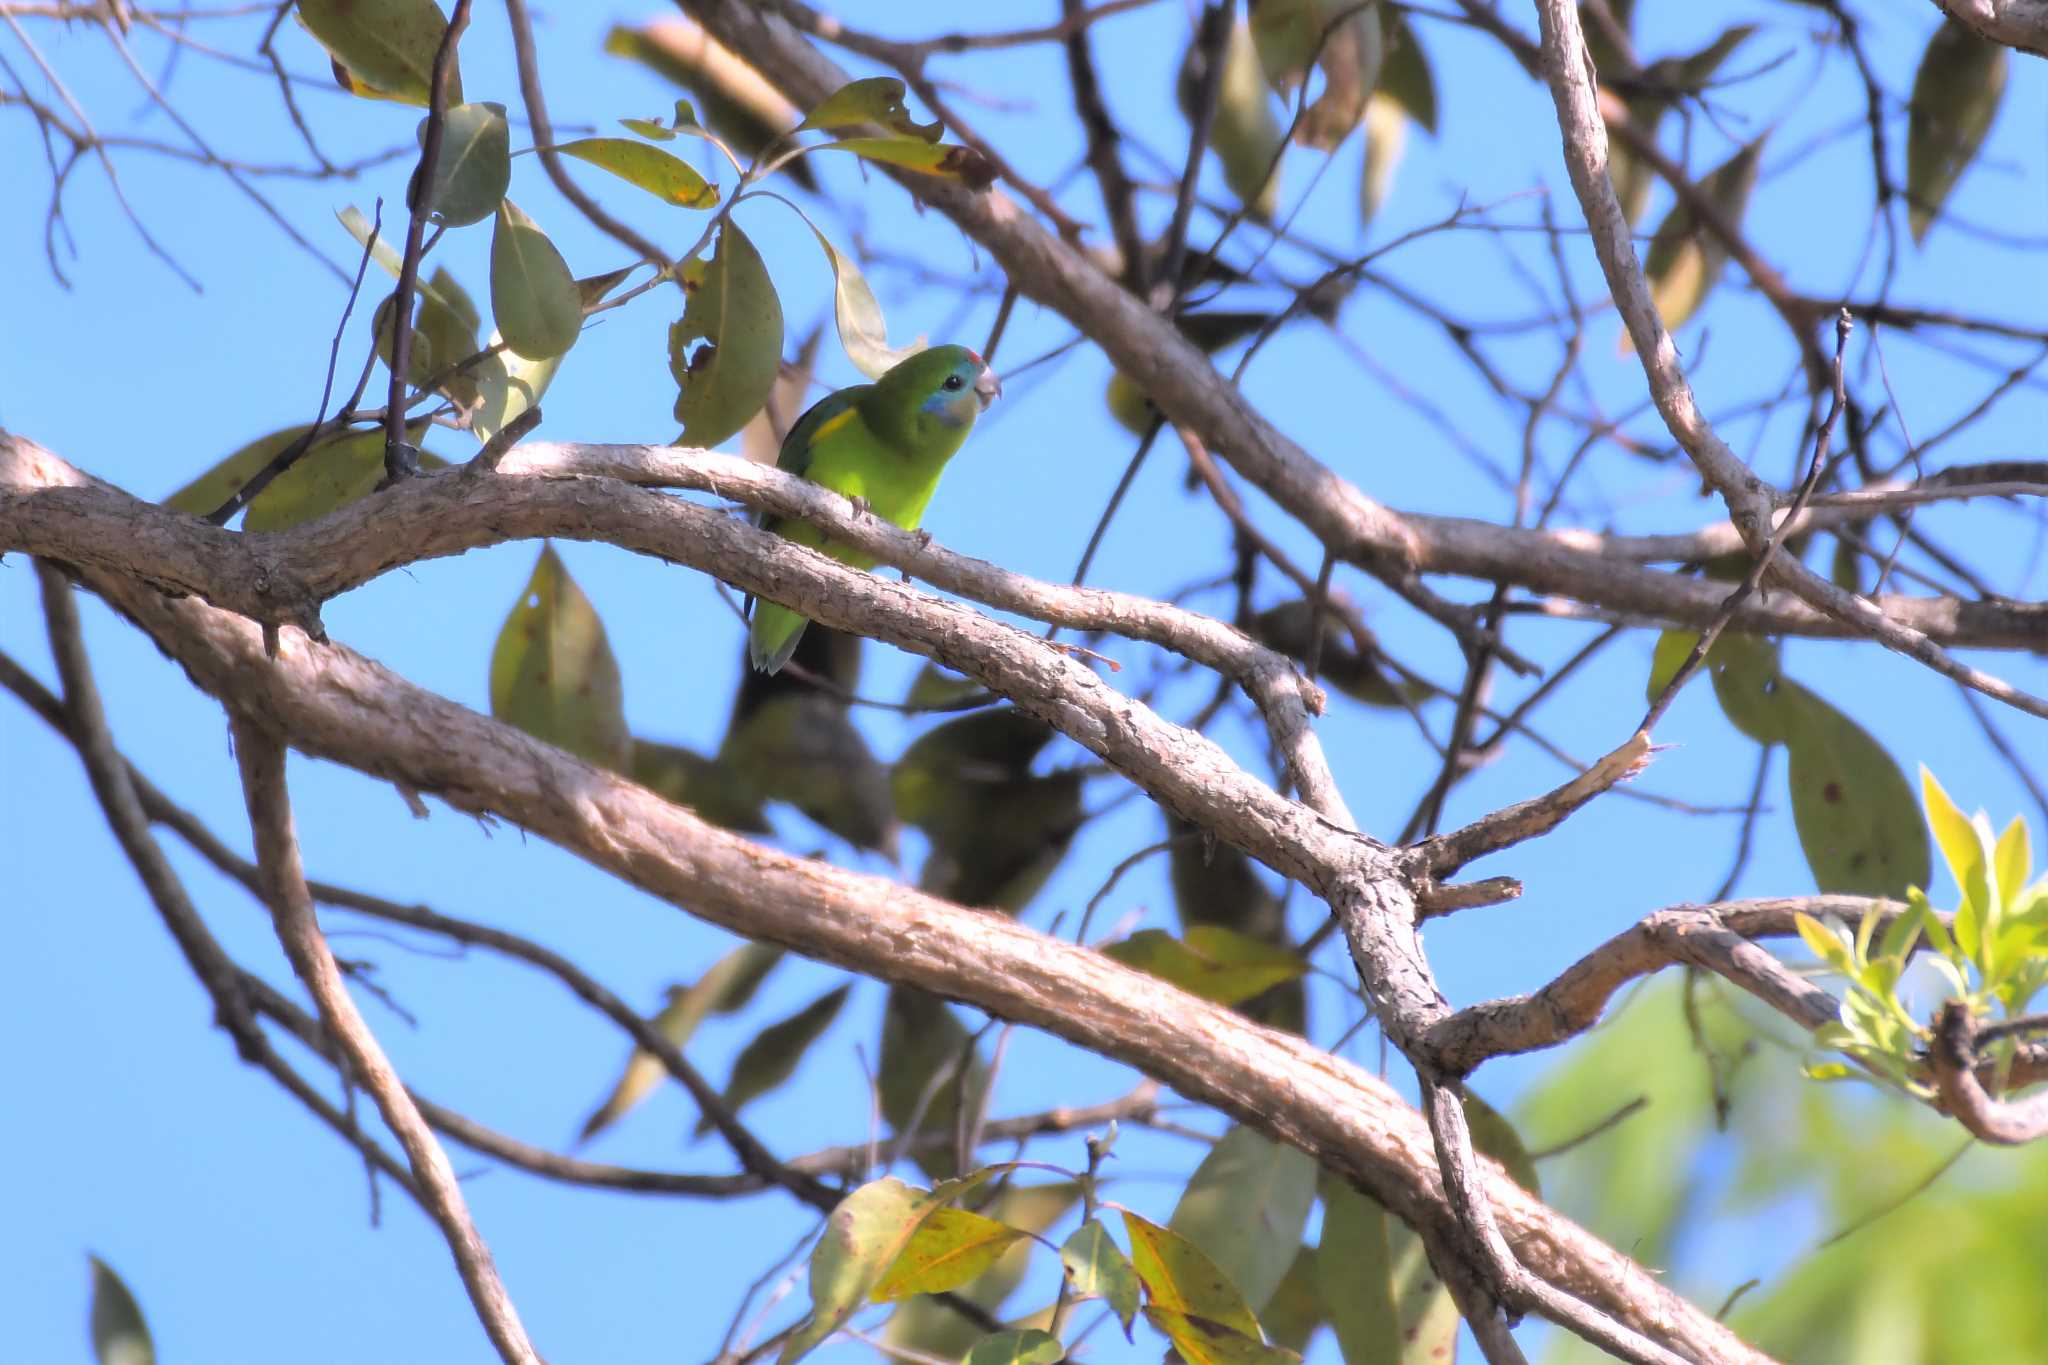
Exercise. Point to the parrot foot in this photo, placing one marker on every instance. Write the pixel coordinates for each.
(860, 506)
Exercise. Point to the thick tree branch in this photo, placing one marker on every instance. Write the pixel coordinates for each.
(332, 703)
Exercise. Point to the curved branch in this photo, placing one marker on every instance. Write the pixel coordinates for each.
(332, 703)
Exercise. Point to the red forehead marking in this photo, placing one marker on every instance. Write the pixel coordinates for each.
(976, 358)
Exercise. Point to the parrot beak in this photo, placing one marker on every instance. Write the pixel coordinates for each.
(988, 388)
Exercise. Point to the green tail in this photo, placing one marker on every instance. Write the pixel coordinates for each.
(774, 635)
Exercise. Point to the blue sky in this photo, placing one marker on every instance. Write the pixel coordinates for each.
(243, 1227)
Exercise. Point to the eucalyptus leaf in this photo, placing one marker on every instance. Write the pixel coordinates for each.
(533, 296)
(734, 313)
(772, 1057)
(1857, 820)
(553, 673)
(662, 174)
(387, 44)
(1956, 94)
(474, 168)
(873, 99)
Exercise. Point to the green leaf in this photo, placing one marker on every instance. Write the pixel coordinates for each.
(662, 174)
(507, 384)
(552, 671)
(448, 319)
(533, 295)
(1344, 40)
(1245, 133)
(1674, 647)
(862, 331)
(1405, 77)
(729, 984)
(733, 309)
(946, 160)
(1213, 962)
(862, 1239)
(1685, 257)
(119, 1335)
(1752, 692)
(933, 1327)
(1960, 847)
(335, 471)
(1354, 1273)
(1497, 1138)
(801, 747)
(997, 830)
(1180, 1277)
(703, 784)
(1097, 1268)
(923, 1041)
(1853, 808)
(387, 44)
(1386, 134)
(875, 99)
(218, 484)
(773, 1056)
(1955, 97)
(1824, 943)
(1245, 1207)
(1026, 1346)
(738, 104)
(1204, 1341)
(949, 1249)
(1295, 1312)
(2013, 857)
(475, 165)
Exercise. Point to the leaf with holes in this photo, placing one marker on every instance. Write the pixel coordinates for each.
(552, 672)
(734, 312)
(875, 99)
(1097, 1268)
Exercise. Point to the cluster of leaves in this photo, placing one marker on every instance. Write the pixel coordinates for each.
(725, 351)
(1858, 824)
(1226, 1281)
(1992, 951)
(1904, 1261)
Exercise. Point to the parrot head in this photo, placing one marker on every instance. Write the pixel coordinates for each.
(948, 386)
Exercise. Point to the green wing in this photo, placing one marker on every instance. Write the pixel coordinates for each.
(795, 455)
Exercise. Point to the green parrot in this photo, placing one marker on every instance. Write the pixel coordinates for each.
(883, 445)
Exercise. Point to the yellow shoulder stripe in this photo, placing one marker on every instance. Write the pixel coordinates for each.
(833, 424)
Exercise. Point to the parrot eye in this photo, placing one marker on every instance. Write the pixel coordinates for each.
(955, 382)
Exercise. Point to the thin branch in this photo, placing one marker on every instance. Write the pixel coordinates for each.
(277, 851)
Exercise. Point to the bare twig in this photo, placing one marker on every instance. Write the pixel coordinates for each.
(277, 852)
